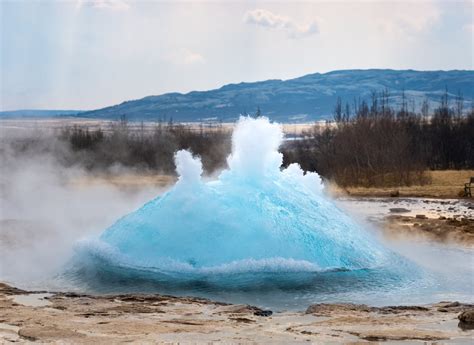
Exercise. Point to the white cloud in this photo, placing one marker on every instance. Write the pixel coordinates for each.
(190, 58)
(185, 57)
(408, 18)
(104, 4)
(265, 18)
(469, 28)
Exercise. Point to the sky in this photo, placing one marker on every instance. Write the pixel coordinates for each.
(88, 54)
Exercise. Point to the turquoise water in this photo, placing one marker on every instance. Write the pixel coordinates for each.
(256, 234)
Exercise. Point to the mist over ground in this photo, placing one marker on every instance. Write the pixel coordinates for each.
(45, 206)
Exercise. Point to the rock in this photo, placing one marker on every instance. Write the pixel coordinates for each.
(466, 320)
(452, 304)
(327, 309)
(264, 313)
(453, 307)
(379, 335)
(84, 319)
(47, 333)
(421, 216)
(395, 193)
(133, 308)
(465, 326)
(239, 309)
(8, 290)
(453, 222)
(442, 218)
(242, 319)
(399, 210)
(467, 316)
(396, 309)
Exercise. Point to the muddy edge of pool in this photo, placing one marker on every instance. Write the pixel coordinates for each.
(83, 319)
(449, 221)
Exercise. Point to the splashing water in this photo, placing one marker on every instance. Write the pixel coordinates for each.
(254, 217)
(255, 224)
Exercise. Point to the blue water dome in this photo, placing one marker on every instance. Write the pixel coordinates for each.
(254, 217)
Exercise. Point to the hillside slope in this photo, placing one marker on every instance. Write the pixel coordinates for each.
(303, 99)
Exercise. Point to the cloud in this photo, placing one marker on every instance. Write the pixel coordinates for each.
(271, 20)
(104, 4)
(412, 18)
(185, 57)
(190, 58)
(469, 28)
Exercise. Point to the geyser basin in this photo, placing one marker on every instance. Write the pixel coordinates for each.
(255, 217)
(255, 228)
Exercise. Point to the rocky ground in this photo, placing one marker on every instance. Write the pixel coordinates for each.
(426, 219)
(448, 221)
(82, 319)
(459, 230)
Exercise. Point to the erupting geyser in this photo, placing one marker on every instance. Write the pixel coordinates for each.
(254, 217)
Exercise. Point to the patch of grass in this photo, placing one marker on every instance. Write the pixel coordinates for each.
(444, 184)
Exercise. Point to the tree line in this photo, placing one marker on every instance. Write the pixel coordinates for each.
(143, 147)
(148, 149)
(374, 144)
(369, 143)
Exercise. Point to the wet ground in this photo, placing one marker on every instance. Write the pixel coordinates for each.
(376, 209)
(447, 221)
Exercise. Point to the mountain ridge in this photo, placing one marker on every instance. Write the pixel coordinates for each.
(301, 99)
(38, 113)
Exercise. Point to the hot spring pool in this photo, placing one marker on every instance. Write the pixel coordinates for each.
(441, 273)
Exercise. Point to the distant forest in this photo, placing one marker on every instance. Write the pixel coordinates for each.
(144, 148)
(372, 144)
(367, 144)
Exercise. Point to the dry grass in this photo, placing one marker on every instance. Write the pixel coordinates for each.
(126, 180)
(444, 184)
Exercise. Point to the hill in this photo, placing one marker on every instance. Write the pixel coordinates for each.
(37, 113)
(308, 98)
